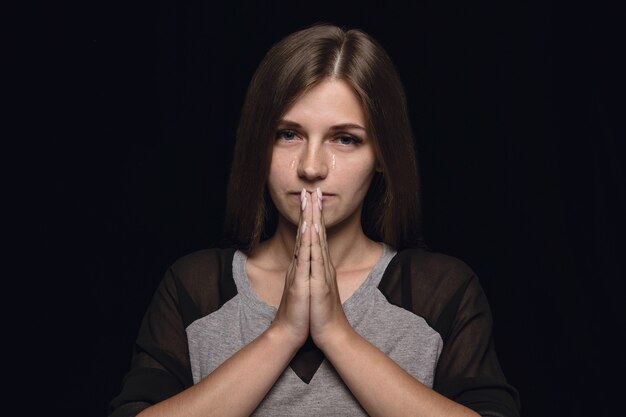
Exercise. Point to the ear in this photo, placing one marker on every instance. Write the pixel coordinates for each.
(379, 167)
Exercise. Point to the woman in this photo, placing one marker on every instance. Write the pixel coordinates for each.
(326, 302)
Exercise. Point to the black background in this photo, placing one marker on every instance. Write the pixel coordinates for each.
(519, 129)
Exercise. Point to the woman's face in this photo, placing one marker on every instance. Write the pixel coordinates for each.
(321, 142)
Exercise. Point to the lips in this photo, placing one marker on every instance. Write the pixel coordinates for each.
(325, 196)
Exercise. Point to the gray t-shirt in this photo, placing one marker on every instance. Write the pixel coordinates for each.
(400, 334)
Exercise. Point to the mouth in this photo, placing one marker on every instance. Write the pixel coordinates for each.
(325, 196)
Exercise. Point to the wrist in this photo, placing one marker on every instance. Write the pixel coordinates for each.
(335, 338)
(283, 338)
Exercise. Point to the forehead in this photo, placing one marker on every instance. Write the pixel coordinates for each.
(331, 101)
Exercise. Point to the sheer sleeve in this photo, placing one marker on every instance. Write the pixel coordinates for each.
(468, 370)
(192, 287)
(447, 294)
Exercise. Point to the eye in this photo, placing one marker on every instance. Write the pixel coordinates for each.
(287, 135)
(348, 140)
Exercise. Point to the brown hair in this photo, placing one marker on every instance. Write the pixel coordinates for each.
(391, 210)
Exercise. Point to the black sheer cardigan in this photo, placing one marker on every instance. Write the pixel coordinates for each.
(440, 288)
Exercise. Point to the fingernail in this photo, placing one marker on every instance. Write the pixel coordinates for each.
(317, 228)
(319, 197)
(303, 198)
(304, 226)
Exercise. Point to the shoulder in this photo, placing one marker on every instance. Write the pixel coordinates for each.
(203, 263)
(430, 284)
(428, 267)
(202, 281)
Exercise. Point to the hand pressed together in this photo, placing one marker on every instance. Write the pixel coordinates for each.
(311, 303)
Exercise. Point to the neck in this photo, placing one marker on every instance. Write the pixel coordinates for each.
(346, 243)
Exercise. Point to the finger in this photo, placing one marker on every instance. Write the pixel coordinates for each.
(329, 270)
(322, 224)
(303, 203)
(303, 255)
(298, 241)
(322, 227)
(318, 269)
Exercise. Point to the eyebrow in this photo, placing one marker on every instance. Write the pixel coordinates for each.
(343, 126)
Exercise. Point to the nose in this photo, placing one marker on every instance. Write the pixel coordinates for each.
(313, 163)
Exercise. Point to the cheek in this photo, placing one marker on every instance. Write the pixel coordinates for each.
(364, 180)
(359, 173)
(280, 178)
(284, 157)
(274, 183)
